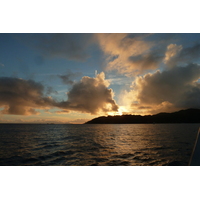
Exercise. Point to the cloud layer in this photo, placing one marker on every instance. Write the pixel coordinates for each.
(90, 95)
(22, 97)
(175, 88)
(124, 52)
(163, 72)
(184, 55)
(172, 51)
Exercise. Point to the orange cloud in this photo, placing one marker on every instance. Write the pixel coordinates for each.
(123, 50)
(165, 91)
(172, 51)
(90, 95)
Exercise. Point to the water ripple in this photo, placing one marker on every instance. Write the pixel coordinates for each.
(97, 145)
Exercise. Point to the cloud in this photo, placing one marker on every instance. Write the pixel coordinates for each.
(2, 65)
(145, 62)
(125, 54)
(184, 55)
(169, 90)
(137, 54)
(62, 112)
(67, 78)
(22, 97)
(90, 95)
(62, 45)
(190, 53)
(172, 51)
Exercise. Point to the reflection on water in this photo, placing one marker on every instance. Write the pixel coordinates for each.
(90, 144)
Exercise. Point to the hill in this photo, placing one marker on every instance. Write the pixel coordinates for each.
(191, 115)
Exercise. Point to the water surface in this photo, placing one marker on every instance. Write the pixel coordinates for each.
(92, 144)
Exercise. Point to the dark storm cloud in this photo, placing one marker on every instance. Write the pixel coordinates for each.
(21, 97)
(178, 86)
(90, 95)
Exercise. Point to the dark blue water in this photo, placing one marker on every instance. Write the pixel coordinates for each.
(103, 145)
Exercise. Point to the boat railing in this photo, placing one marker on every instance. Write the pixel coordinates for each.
(195, 157)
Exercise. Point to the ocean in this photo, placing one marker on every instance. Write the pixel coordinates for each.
(96, 144)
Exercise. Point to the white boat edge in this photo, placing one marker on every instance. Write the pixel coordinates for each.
(195, 157)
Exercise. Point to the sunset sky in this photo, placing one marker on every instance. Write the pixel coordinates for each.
(72, 78)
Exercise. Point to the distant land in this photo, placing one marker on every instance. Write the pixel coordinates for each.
(191, 115)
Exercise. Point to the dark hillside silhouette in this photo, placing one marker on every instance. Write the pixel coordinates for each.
(183, 116)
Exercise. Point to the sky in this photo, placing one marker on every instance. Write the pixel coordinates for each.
(72, 78)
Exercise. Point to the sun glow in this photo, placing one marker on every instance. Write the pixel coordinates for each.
(122, 110)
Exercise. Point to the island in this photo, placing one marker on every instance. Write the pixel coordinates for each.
(191, 115)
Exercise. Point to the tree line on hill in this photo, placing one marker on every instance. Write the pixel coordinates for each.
(191, 115)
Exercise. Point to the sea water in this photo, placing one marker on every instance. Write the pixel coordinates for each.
(96, 144)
